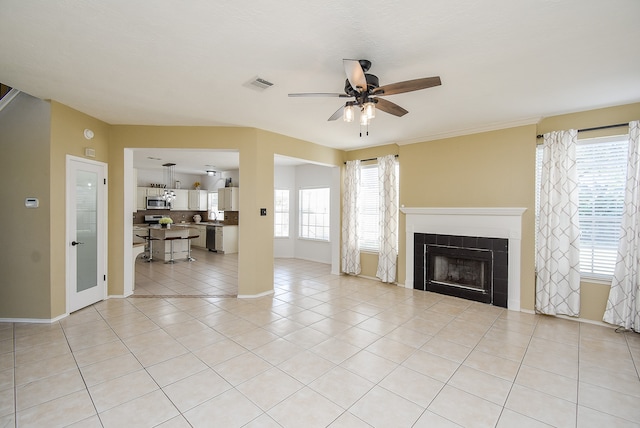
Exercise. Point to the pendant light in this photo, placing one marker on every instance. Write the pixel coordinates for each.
(169, 178)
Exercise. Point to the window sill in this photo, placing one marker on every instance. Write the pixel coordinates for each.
(313, 240)
(368, 251)
(601, 280)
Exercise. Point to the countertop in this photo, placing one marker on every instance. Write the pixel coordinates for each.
(202, 223)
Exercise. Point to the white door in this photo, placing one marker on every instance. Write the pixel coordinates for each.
(86, 232)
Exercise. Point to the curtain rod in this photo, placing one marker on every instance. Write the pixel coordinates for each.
(370, 159)
(597, 128)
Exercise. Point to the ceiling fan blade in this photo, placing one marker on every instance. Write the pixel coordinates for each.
(408, 86)
(337, 114)
(389, 107)
(355, 74)
(320, 94)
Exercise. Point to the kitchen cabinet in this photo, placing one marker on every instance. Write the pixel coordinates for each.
(154, 191)
(181, 202)
(228, 199)
(227, 239)
(141, 198)
(198, 200)
(201, 231)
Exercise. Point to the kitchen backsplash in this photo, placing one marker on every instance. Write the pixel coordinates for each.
(230, 217)
(176, 216)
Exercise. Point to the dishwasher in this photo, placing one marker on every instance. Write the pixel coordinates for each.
(211, 238)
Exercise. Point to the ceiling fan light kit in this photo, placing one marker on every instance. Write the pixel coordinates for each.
(349, 112)
(366, 90)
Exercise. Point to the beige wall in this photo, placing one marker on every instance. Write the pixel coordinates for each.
(25, 251)
(491, 169)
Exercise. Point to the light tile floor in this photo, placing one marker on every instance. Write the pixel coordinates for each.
(324, 350)
(212, 274)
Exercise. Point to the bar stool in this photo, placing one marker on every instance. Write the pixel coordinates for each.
(189, 238)
(171, 239)
(149, 244)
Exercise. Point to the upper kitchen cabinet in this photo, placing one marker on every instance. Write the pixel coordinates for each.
(181, 203)
(228, 199)
(143, 192)
(198, 200)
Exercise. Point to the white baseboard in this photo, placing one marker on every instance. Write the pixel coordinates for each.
(35, 320)
(576, 319)
(254, 296)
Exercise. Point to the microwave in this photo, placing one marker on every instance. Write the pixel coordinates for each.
(157, 203)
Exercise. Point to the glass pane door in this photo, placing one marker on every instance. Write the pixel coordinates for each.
(86, 230)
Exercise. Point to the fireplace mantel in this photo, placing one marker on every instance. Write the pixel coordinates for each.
(491, 222)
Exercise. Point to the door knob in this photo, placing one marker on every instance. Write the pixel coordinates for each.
(74, 243)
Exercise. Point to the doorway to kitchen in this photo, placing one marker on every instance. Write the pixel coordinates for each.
(196, 171)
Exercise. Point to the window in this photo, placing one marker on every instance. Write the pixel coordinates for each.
(369, 211)
(281, 213)
(602, 166)
(212, 207)
(314, 214)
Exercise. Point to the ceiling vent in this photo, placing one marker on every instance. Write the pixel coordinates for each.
(258, 83)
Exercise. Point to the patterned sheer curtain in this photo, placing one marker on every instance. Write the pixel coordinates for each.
(623, 305)
(388, 255)
(558, 251)
(350, 206)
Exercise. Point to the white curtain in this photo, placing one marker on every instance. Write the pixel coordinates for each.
(623, 305)
(558, 249)
(350, 208)
(388, 255)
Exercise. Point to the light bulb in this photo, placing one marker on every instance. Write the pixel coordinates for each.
(364, 119)
(348, 113)
(370, 109)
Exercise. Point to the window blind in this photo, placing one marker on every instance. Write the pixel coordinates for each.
(369, 211)
(602, 167)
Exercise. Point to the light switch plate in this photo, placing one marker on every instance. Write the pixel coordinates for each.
(263, 211)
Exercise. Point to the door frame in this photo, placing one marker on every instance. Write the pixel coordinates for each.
(102, 231)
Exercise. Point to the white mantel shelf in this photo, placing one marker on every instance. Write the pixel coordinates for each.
(493, 211)
(490, 222)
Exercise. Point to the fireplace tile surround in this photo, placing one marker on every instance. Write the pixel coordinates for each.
(497, 250)
(490, 222)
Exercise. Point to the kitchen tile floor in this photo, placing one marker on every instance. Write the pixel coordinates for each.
(324, 350)
(212, 274)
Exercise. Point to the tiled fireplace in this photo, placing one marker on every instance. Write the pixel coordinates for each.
(465, 252)
(474, 268)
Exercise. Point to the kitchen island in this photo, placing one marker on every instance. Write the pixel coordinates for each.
(162, 245)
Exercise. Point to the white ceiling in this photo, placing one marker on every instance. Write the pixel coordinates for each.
(198, 161)
(161, 62)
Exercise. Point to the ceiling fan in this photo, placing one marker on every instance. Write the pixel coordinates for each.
(365, 90)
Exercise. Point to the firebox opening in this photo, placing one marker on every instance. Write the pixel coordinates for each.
(457, 272)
